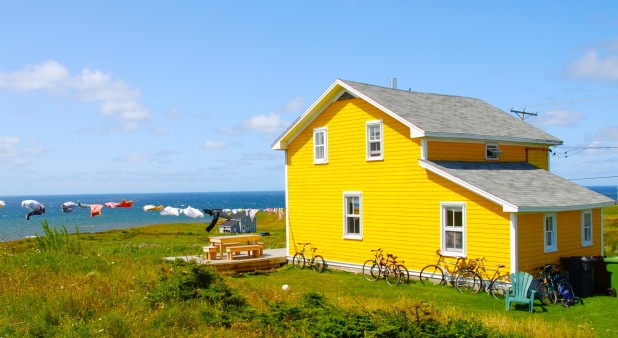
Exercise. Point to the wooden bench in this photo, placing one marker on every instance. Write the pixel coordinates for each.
(255, 250)
(210, 252)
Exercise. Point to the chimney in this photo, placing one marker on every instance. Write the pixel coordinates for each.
(393, 82)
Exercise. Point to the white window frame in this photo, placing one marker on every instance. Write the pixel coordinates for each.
(368, 127)
(586, 228)
(552, 245)
(347, 215)
(444, 228)
(316, 132)
(493, 149)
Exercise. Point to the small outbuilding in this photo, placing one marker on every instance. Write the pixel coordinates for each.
(239, 222)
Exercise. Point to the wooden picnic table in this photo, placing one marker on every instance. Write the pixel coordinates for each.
(224, 241)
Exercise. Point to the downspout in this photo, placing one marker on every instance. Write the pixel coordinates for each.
(514, 243)
(602, 232)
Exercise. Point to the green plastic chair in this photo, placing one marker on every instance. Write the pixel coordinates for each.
(520, 285)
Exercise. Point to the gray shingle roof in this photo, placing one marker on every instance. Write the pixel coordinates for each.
(518, 187)
(453, 116)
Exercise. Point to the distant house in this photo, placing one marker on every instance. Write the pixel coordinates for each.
(372, 167)
(240, 222)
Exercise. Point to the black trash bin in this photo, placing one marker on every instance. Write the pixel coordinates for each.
(581, 274)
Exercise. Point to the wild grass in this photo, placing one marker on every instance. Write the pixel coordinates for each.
(116, 284)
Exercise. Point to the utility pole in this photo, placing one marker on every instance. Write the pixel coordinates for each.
(523, 114)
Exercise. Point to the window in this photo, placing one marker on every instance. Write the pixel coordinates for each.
(375, 149)
(453, 222)
(353, 215)
(550, 233)
(491, 151)
(320, 149)
(587, 228)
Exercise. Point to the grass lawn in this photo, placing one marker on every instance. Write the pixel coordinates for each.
(115, 284)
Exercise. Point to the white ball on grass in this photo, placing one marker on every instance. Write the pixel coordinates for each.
(285, 287)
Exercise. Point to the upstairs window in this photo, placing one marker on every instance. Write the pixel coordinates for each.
(375, 146)
(587, 228)
(492, 152)
(550, 238)
(320, 145)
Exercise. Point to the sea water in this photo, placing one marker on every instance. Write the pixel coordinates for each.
(13, 223)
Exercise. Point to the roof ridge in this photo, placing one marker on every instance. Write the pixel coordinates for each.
(408, 91)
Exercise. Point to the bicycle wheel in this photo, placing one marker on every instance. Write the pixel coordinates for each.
(298, 261)
(318, 263)
(392, 275)
(566, 287)
(499, 287)
(371, 274)
(405, 274)
(468, 281)
(546, 294)
(432, 274)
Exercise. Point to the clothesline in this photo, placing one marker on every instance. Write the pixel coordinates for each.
(37, 208)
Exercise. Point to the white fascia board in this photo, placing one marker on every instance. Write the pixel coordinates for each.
(565, 208)
(461, 136)
(327, 97)
(506, 206)
(414, 130)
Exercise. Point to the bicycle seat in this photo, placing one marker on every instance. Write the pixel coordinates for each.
(500, 265)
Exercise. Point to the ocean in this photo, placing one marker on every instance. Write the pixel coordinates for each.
(13, 223)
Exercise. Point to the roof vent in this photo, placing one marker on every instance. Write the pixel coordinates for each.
(393, 82)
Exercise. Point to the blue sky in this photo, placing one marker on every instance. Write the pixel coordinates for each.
(162, 96)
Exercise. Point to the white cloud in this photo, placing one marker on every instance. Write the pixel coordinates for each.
(559, 118)
(293, 106)
(214, 145)
(265, 123)
(134, 158)
(594, 66)
(606, 134)
(116, 98)
(9, 153)
(49, 75)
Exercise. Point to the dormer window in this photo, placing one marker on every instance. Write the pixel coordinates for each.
(492, 152)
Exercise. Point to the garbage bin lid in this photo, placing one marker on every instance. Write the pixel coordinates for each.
(589, 259)
(610, 259)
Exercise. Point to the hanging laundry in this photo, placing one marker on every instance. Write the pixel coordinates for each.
(192, 212)
(150, 207)
(111, 204)
(68, 207)
(82, 205)
(95, 209)
(170, 211)
(215, 213)
(125, 204)
(35, 208)
(2, 204)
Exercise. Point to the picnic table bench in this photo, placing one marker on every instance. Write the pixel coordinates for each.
(221, 244)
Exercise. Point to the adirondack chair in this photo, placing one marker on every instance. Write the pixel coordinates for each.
(520, 286)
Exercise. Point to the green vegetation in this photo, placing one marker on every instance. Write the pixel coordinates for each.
(116, 284)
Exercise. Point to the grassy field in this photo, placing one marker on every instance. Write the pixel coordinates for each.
(115, 284)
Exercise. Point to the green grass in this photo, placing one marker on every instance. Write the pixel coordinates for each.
(116, 284)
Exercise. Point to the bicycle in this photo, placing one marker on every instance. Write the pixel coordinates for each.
(438, 270)
(498, 284)
(405, 273)
(316, 262)
(553, 285)
(374, 268)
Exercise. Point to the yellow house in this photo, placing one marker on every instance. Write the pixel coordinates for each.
(372, 167)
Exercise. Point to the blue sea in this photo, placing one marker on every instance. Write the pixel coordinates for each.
(13, 223)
